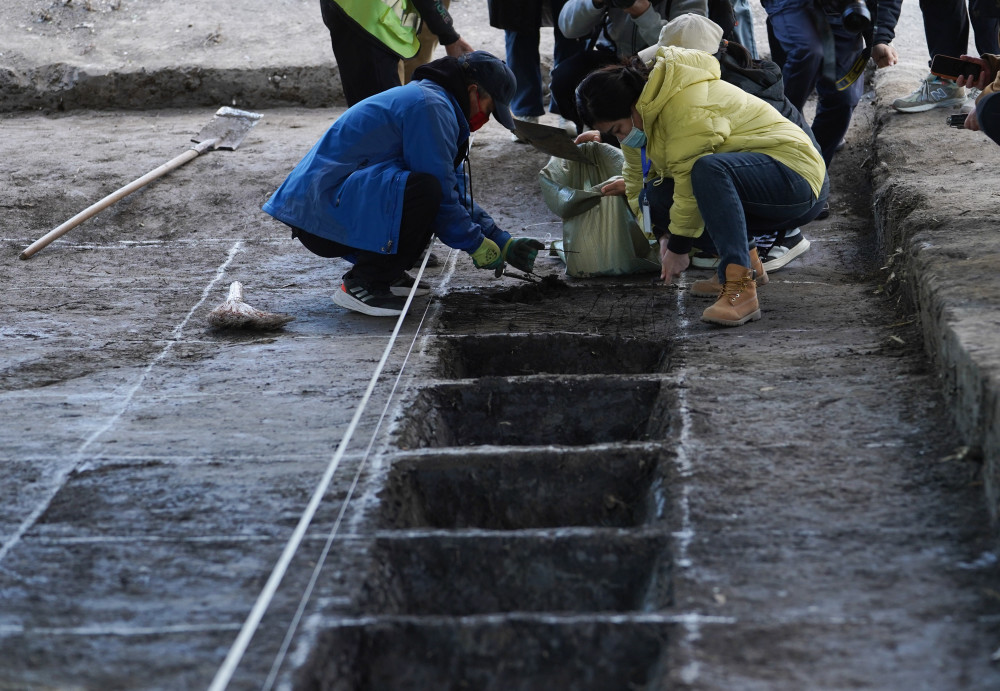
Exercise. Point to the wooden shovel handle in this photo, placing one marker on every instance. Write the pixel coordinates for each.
(128, 189)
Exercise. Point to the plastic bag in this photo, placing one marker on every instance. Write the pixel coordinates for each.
(600, 234)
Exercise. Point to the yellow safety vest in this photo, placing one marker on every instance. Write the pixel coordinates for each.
(394, 23)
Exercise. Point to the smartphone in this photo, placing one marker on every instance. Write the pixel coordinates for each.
(947, 67)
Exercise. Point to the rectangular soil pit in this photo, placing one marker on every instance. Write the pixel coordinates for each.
(570, 412)
(617, 487)
(553, 353)
(482, 574)
(635, 309)
(495, 655)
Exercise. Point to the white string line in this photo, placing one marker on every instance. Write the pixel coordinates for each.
(307, 593)
(691, 668)
(225, 672)
(63, 473)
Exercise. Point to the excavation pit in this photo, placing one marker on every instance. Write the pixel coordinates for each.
(501, 654)
(556, 353)
(617, 487)
(637, 312)
(571, 412)
(462, 575)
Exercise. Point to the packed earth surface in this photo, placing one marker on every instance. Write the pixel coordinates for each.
(566, 483)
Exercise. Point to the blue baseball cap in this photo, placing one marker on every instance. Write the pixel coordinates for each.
(492, 73)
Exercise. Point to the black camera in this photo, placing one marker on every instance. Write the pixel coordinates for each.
(856, 17)
(853, 13)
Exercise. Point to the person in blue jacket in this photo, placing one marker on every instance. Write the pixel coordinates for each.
(384, 178)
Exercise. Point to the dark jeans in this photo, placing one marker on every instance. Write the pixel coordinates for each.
(366, 66)
(741, 195)
(525, 62)
(661, 195)
(946, 27)
(421, 201)
(796, 41)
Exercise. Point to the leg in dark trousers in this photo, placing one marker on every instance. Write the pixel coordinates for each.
(366, 67)
(985, 26)
(568, 74)
(421, 201)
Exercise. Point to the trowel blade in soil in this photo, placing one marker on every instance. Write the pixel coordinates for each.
(228, 127)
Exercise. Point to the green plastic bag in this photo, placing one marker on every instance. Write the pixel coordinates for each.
(600, 234)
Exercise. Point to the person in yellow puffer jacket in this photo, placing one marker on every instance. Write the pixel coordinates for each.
(736, 165)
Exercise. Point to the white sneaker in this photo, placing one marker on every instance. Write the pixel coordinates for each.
(568, 125)
(525, 118)
(779, 255)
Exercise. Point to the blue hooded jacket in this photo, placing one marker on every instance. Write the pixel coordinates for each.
(349, 187)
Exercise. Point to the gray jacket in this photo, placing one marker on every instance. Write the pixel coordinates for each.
(579, 18)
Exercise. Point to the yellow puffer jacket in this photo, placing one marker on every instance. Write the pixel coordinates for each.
(688, 112)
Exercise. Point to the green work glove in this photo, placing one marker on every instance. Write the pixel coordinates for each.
(521, 253)
(487, 255)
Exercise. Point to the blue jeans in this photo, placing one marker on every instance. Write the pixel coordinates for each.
(742, 194)
(744, 26)
(525, 62)
(795, 35)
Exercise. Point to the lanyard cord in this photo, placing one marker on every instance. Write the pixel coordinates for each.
(467, 175)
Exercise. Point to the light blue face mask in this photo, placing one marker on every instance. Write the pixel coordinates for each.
(635, 139)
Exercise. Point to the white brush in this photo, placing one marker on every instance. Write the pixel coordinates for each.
(236, 314)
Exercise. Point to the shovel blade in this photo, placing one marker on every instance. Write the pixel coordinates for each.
(228, 128)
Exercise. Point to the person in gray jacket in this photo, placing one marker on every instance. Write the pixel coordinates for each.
(617, 29)
(627, 28)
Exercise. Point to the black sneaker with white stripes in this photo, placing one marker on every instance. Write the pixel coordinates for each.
(369, 298)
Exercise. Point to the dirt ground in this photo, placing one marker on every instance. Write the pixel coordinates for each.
(785, 505)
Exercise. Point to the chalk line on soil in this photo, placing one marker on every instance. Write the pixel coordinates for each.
(236, 652)
(76, 460)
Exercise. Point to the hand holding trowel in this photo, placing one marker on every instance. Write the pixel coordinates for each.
(225, 131)
(521, 254)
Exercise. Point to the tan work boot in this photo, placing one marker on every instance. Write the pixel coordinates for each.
(711, 288)
(738, 303)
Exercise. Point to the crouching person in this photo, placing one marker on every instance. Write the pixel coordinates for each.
(735, 163)
(385, 178)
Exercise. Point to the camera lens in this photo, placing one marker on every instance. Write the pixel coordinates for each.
(856, 17)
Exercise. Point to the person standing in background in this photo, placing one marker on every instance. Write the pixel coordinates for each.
(946, 28)
(428, 42)
(370, 37)
(521, 21)
(798, 33)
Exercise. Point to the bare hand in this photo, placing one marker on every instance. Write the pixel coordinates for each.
(984, 74)
(884, 55)
(615, 188)
(671, 263)
(458, 48)
(588, 136)
(971, 121)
